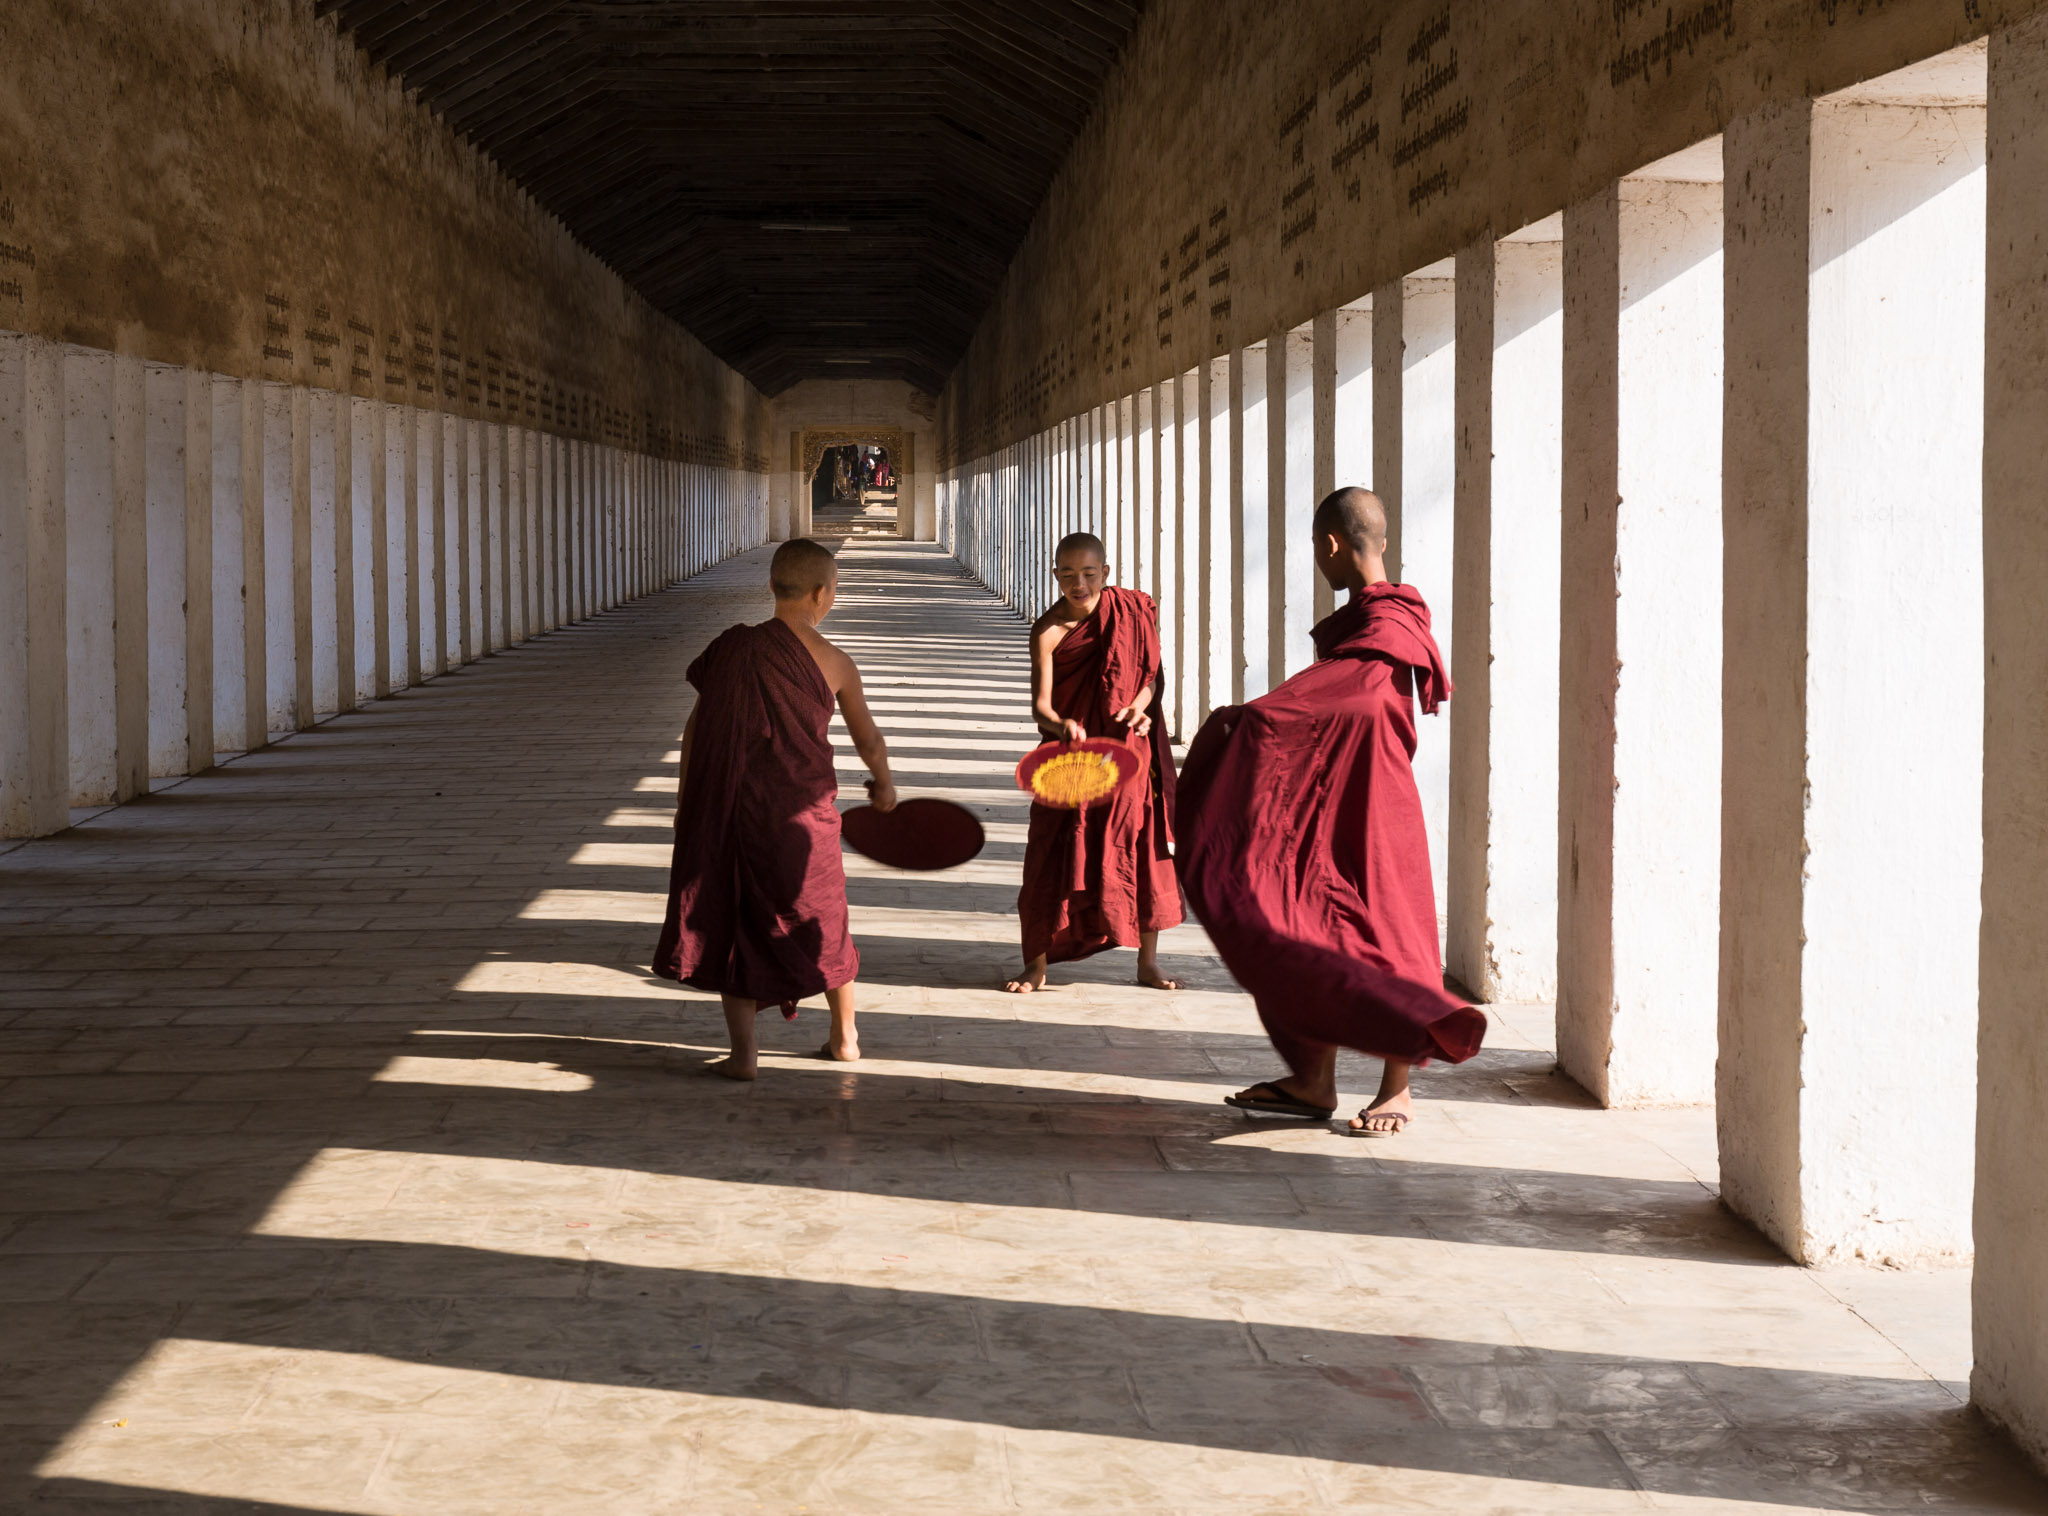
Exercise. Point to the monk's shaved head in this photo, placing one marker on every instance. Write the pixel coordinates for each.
(799, 567)
(1081, 542)
(1354, 517)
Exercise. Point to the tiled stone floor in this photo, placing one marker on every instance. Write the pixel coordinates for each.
(353, 1162)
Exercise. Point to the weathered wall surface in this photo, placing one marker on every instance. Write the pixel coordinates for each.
(1252, 164)
(228, 185)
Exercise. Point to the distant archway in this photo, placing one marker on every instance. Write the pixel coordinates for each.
(812, 442)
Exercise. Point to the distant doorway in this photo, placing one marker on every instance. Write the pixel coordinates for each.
(854, 490)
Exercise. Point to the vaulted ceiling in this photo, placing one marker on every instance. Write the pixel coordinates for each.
(816, 188)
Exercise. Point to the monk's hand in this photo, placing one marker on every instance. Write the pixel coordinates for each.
(1073, 731)
(882, 794)
(1135, 719)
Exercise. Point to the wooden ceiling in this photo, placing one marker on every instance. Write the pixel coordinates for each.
(816, 188)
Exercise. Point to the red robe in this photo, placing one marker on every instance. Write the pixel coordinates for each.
(1302, 848)
(1096, 878)
(757, 891)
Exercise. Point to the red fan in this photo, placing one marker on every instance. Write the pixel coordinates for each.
(1071, 776)
(921, 834)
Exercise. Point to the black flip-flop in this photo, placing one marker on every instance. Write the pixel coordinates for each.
(1277, 1102)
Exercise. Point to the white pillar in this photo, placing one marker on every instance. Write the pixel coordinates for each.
(89, 558)
(1291, 576)
(35, 766)
(301, 705)
(131, 578)
(1502, 886)
(198, 545)
(1250, 524)
(1166, 588)
(350, 554)
(163, 450)
(1415, 444)
(1220, 608)
(1852, 754)
(322, 450)
(1639, 722)
(233, 615)
(2009, 1383)
(415, 505)
(1343, 377)
(1384, 430)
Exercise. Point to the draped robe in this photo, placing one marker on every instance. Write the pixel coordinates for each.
(757, 891)
(1302, 849)
(1096, 878)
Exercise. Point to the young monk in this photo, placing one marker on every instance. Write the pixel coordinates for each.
(1101, 877)
(757, 893)
(1302, 847)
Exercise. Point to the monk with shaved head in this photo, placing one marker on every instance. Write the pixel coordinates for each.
(1102, 877)
(1302, 848)
(757, 893)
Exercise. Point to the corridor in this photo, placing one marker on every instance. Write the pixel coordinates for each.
(354, 1162)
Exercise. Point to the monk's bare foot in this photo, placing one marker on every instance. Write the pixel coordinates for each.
(1150, 977)
(1385, 1117)
(733, 1066)
(848, 1052)
(1033, 978)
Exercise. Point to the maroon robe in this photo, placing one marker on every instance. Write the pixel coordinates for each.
(1096, 878)
(757, 891)
(1302, 848)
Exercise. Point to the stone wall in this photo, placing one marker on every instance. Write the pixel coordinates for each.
(228, 185)
(1252, 165)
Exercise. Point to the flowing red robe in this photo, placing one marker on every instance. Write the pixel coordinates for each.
(757, 891)
(1096, 878)
(1302, 848)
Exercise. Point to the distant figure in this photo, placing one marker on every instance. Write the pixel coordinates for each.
(1302, 847)
(1101, 877)
(757, 892)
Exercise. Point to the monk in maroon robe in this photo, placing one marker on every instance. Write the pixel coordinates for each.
(757, 892)
(1302, 848)
(1101, 877)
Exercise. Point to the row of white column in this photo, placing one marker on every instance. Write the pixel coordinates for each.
(1705, 467)
(192, 565)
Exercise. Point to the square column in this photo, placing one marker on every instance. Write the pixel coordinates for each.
(2009, 1383)
(300, 703)
(1415, 444)
(351, 556)
(1144, 512)
(1124, 489)
(1166, 583)
(35, 764)
(412, 439)
(1639, 703)
(89, 513)
(1291, 575)
(163, 450)
(1189, 565)
(1342, 379)
(1501, 891)
(1851, 758)
(198, 546)
(1221, 610)
(324, 552)
(1249, 526)
(131, 578)
(378, 415)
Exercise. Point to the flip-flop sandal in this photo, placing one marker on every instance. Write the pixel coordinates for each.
(1400, 1118)
(1277, 1102)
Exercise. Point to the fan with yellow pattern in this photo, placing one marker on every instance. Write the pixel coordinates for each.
(1071, 776)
